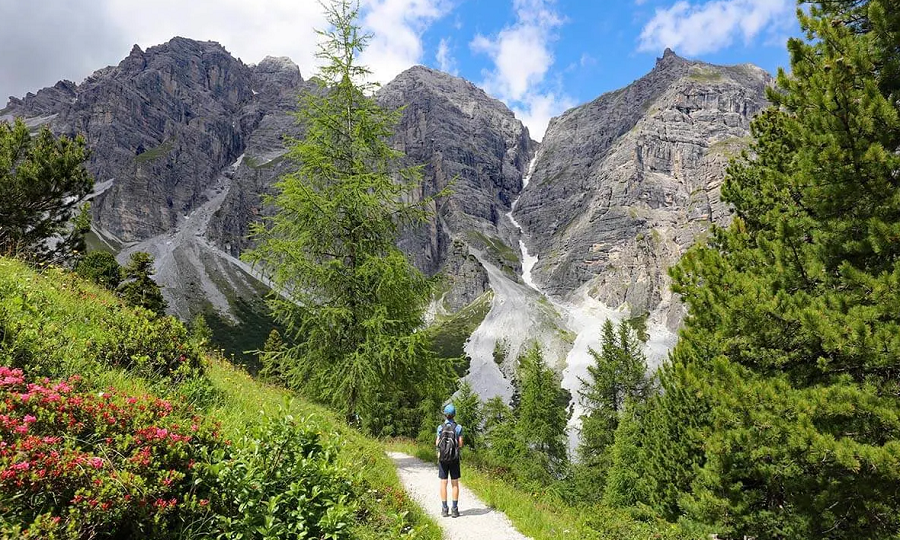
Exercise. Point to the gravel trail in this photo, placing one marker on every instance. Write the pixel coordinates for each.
(475, 522)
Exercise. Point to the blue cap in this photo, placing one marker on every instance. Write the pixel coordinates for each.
(449, 410)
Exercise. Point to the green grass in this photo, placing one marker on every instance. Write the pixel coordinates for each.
(449, 334)
(639, 324)
(507, 256)
(254, 164)
(155, 153)
(704, 74)
(53, 318)
(730, 147)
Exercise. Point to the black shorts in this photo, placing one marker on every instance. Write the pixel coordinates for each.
(451, 469)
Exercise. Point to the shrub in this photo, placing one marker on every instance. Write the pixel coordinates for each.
(150, 347)
(101, 268)
(282, 481)
(54, 324)
(78, 464)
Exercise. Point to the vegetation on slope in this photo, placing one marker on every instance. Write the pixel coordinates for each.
(135, 429)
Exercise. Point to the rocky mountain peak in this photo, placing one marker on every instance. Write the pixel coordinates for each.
(624, 184)
(670, 59)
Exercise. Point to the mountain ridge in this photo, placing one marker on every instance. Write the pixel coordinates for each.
(188, 139)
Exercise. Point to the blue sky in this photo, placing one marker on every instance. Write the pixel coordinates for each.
(592, 47)
(538, 56)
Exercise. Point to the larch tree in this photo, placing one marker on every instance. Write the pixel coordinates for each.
(349, 300)
(541, 414)
(617, 376)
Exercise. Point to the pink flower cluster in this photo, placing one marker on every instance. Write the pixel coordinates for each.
(65, 446)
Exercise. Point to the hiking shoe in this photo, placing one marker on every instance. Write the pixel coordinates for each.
(444, 512)
(454, 512)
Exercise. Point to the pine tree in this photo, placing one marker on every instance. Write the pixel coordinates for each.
(138, 288)
(43, 182)
(469, 414)
(789, 366)
(101, 268)
(541, 416)
(349, 299)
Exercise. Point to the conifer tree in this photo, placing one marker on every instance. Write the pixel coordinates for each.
(201, 333)
(138, 288)
(101, 268)
(349, 300)
(618, 374)
(271, 358)
(43, 183)
(469, 414)
(541, 415)
(790, 361)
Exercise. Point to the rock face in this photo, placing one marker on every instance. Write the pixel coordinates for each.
(472, 145)
(624, 184)
(186, 140)
(167, 128)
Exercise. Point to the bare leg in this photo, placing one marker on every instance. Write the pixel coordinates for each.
(444, 489)
(455, 489)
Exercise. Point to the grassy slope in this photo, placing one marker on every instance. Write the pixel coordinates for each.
(64, 317)
(242, 400)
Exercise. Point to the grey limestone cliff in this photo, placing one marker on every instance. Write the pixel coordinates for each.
(623, 185)
(186, 140)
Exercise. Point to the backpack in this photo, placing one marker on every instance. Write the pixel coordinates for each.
(448, 444)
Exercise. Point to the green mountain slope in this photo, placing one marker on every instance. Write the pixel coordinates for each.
(224, 452)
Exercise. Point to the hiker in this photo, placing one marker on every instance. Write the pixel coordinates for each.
(449, 441)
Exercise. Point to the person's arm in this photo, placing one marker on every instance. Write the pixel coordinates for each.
(460, 441)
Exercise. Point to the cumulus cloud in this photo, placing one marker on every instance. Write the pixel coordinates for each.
(398, 26)
(522, 57)
(249, 30)
(697, 28)
(537, 110)
(53, 39)
(444, 57)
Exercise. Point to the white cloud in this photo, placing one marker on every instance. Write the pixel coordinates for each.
(697, 28)
(538, 109)
(444, 57)
(522, 57)
(249, 30)
(398, 26)
(101, 33)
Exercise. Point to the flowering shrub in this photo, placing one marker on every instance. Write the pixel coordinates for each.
(79, 464)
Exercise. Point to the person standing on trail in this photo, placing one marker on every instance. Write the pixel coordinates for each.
(449, 442)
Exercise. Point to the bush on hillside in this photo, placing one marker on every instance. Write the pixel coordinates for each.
(282, 481)
(55, 325)
(101, 268)
(81, 464)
